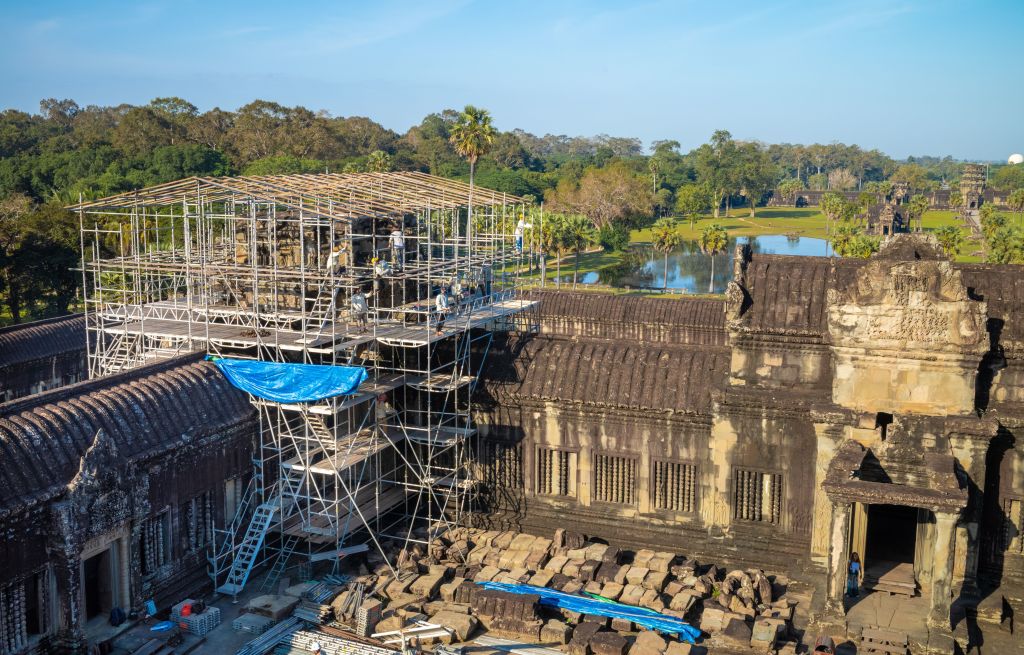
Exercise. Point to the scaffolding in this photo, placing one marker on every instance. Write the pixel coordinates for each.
(405, 274)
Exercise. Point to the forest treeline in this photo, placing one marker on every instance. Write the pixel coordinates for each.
(50, 158)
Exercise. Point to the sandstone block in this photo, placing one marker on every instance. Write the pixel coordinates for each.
(556, 563)
(596, 551)
(536, 559)
(487, 574)
(541, 578)
(631, 594)
(572, 568)
(608, 643)
(572, 586)
(673, 587)
(503, 540)
(652, 600)
(636, 574)
(711, 619)
(661, 562)
(765, 634)
(655, 580)
(555, 632)
(736, 633)
(522, 541)
(652, 640)
(593, 587)
(678, 648)
(622, 625)
(588, 570)
(462, 625)
(684, 600)
(620, 574)
(427, 585)
(400, 586)
(577, 553)
(606, 572)
(493, 558)
(643, 557)
(448, 590)
(611, 590)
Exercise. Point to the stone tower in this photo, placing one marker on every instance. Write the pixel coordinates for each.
(972, 185)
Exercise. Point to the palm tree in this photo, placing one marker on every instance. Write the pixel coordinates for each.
(578, 233)
(472, 136)
(843, 238)
(378, 161)
(551, 236)
(666, 238)
(713, 240)
(951, 239)
(917, 206)
(1016, 202)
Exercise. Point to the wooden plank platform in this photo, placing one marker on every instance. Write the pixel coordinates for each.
(351, 450)
(883, 641)
(370, 505)
(891, 577)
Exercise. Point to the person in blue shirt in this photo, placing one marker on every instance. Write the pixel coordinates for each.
(853, 575)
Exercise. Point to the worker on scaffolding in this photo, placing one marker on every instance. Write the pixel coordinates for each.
(398, 248)
(361, 308)
(521, 228)
(443, 305)
(337, 261)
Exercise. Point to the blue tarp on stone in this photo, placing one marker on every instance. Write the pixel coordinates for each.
(290, 383)
(641, 616)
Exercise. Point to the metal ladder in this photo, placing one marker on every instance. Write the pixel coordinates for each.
(319, 429)
(281, 563)
(322, 312)
(248, 550)
(121, 355)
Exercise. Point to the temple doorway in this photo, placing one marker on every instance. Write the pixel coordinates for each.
(97, 579)
(886, 538)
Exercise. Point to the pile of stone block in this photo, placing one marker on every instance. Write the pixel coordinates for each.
(437, 583)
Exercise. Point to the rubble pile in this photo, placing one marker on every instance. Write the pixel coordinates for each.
(435, 583)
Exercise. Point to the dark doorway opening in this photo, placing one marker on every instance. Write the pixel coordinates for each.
(97, 581)
(892, 533)
(890, 547)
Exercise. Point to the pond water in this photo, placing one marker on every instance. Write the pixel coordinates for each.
(689, 269)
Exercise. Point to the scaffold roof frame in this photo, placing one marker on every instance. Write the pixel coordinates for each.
(338, 196)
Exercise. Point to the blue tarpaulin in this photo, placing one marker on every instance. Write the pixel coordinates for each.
(290, 383)
(641, 616)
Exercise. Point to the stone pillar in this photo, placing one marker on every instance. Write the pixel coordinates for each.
(971, 453)
(838, 556)
(70, 635)
(942, 569)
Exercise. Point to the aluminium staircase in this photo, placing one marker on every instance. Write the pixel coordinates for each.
(249, 549)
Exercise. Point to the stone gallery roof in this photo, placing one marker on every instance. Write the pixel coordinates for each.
(43, 437)
(608, 374)
(1001, 286)
(40, 339)
(787, 294)
(636, 318)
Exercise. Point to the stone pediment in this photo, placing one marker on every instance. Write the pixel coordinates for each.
(906, 335)
(908, 297)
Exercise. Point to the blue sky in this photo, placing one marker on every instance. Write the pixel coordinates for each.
(905, 76)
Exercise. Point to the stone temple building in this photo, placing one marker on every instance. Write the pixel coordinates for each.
(825, 406)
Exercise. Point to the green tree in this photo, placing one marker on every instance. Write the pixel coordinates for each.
(836, 208)
(956, 201)
(552, 241)
(665, 237)
(863, 246)
(472, 136)
(843, 239)
(578, 233)
(1009, 177)
(605, 195)
(991, 222)
(916, 208)
(692, 200)
(789, 189)
(715, 165)
(1006, 245)
(951, 239)
(1015, 201)
(378, 161)
(713, 240)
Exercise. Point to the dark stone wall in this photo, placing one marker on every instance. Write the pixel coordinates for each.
(42, 355)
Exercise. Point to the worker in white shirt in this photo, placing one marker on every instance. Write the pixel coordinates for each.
(443, 305)
(398, 248)
(361, 309)
(521, 227)
(337, 260)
